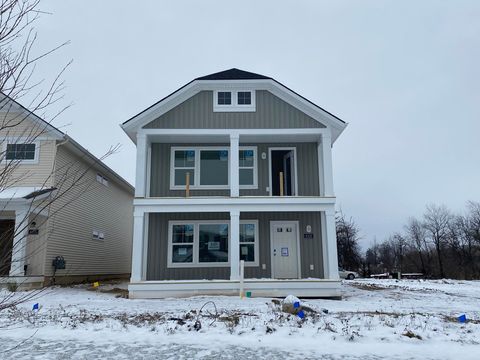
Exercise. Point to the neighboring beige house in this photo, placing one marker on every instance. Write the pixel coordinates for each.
(60, 202)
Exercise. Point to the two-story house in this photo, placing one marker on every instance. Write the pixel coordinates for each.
(64, 215)
(234, 168)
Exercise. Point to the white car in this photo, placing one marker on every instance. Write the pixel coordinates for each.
(346, 274)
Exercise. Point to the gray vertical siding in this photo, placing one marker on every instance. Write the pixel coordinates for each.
(310, 249)
(197, 113)
(307, 170)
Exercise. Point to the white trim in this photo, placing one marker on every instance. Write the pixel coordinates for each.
(258, 287)
(241, 132)
(270, 167)
(233, 168)
(226, 204)
(138, 247)
(234, 106)
(141, 164)
(327, 165)
(197, 168)
(195, 262)
(146, 224)
(149, 170)
(286, 222)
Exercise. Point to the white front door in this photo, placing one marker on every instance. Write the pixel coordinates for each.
(284, 250)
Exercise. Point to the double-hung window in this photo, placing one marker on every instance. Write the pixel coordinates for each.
(209, 167)
(207, 243)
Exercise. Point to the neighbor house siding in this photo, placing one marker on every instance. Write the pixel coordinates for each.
(307, 170)
(157, 252)
(88, 206)
(197, 113)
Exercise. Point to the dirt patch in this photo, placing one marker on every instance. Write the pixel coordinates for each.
(369, 287)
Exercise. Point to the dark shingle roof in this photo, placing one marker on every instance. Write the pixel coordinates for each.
(233, 74)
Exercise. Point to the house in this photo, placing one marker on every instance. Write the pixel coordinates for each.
(233, 168)
(64, 215)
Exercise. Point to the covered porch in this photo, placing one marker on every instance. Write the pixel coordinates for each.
(23, 218)
(293, 249)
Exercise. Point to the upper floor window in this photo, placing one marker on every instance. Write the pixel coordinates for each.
(20, 152)
(208, 167)
(235, 100)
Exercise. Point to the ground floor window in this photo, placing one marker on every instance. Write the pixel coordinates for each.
(206, 243)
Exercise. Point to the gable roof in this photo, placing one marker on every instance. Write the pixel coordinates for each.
(235, 75)
(60, 135)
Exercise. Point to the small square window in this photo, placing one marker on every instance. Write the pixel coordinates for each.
(224, 98)
(244, 98)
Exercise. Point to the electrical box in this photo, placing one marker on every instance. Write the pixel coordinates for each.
(59, 263)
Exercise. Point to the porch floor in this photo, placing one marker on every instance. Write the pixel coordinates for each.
(314, 288)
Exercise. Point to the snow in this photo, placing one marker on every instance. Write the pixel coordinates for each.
(407, 319)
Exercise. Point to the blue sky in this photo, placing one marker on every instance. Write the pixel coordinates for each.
(404, 75)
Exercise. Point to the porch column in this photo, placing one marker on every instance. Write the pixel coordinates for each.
(141, 171)
(325, 165)
(330, 255)
(19, 249)
(234, 245)
(138, 246)
(234, 163)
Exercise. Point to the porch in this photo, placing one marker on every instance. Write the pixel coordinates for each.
(314, 288)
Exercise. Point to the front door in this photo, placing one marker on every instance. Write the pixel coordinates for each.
(284, 250)
(6, 243)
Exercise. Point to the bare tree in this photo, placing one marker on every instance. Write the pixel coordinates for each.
(417, 240)
(349, 256)
(21, 126)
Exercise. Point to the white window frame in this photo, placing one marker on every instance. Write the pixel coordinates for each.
(255, 261)
(196, 184)
(196, 241)
(235, 106)
(255, 168)
(18, 141)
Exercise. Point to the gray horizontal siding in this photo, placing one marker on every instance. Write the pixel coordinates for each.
(197, 113)
(310, 249)
(307, 169)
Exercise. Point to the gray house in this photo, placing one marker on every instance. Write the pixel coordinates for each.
(234, 191)
(58, 201)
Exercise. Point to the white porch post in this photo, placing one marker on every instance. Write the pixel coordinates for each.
(141, 171)
(137, 248)
(19, 249)
(234, 163)
(234, 245)
(325, 165)
(330, 256)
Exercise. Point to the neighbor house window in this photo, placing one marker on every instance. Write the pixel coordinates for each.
(102, 179)
(224, 98)
(244, 98)
(98, 235)
(20, 152)
(206, 243)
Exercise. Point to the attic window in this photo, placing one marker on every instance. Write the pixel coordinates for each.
(235, 100)
(224, 98)
(244, 98)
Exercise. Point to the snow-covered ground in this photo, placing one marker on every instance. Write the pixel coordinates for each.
(377, 319)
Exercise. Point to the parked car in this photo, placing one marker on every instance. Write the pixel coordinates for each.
(347, 274)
